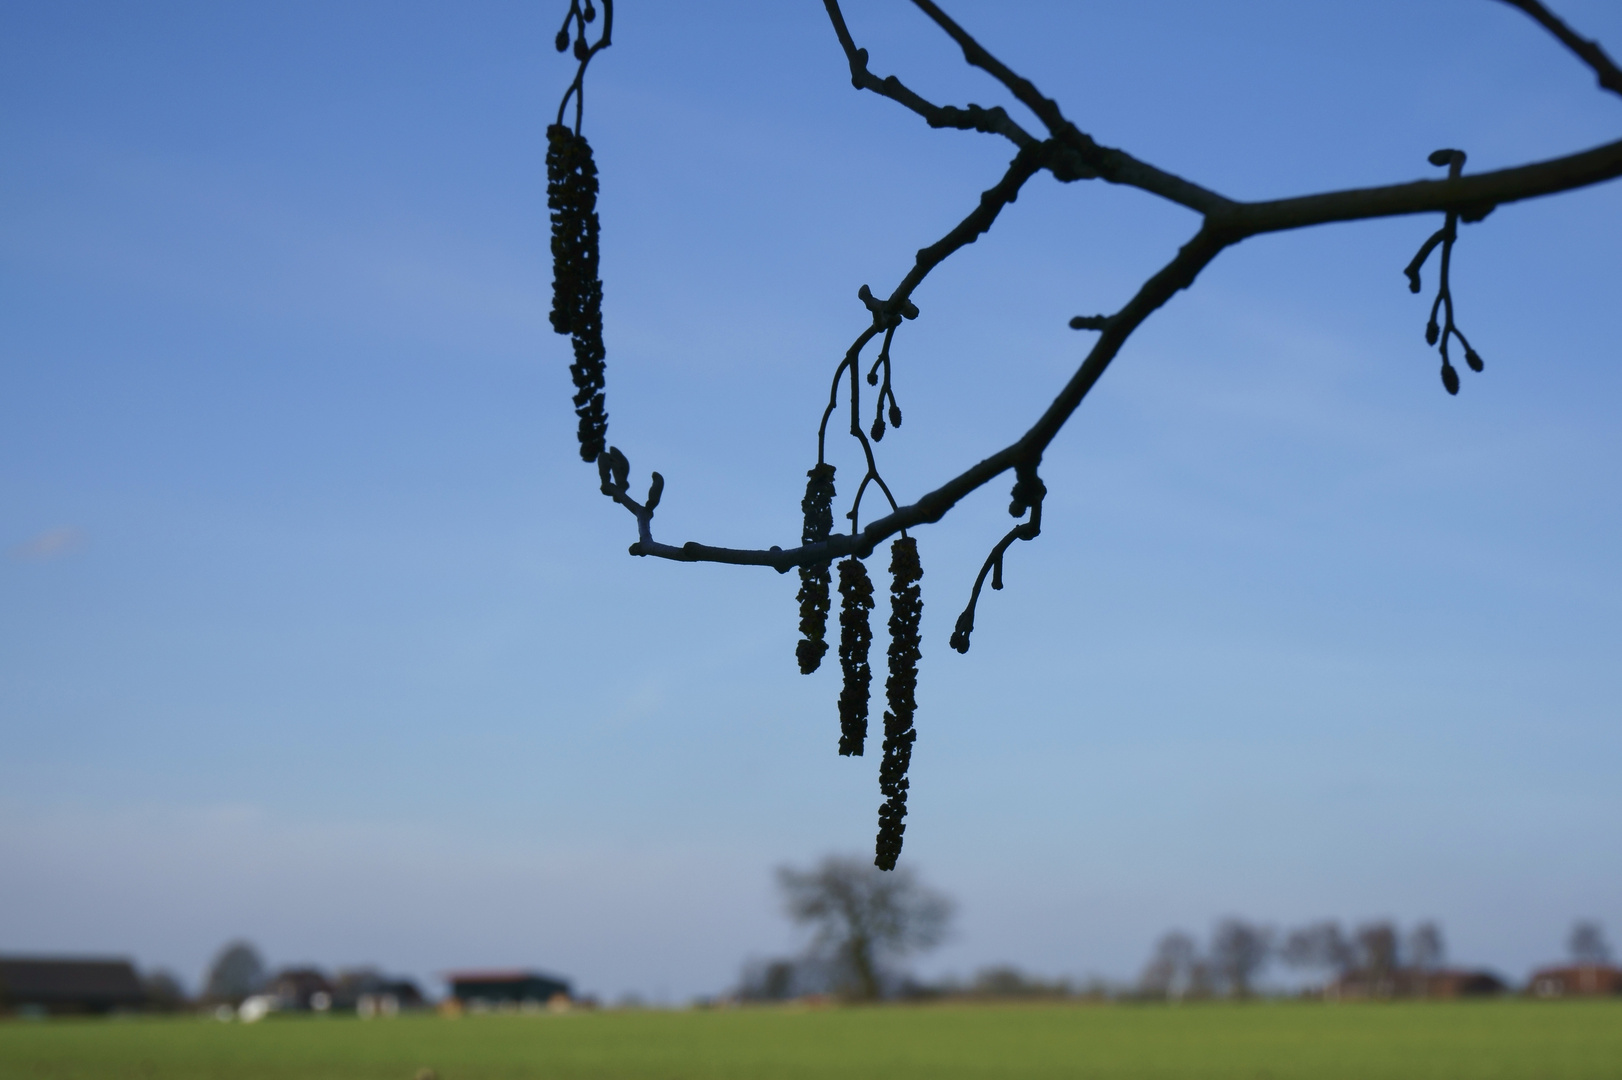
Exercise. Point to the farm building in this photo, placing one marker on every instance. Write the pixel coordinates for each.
(1581, 980)
(43, 984)
(300, 988)
(495, 988)
(1359, 984)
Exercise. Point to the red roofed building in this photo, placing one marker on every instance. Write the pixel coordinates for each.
(1580, 980)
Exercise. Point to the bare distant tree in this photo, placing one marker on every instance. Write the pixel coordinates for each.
(784, 979)
(1426, 950)
(1321, 946)
(1587, 944)
(1377, 952)
(864, 919)
(1175, 970)
(236, 972)
(1239, 952)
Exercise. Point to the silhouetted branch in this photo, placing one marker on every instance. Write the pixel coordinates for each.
(1446, 236)
(1610, 76)
(993, 121)
(1025, 530)
(1115, 166)
(1068, 154)
(1474, 197)
(579, 15)
(1464, 194)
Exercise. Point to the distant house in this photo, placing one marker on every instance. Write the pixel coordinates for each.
(494, 988)
(369, 992)
(1582, 980)
(68, 986)
(1360, 984)
(300, 989)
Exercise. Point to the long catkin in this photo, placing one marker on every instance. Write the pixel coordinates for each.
(814, 577)
(855, 637)
(906, 610)
(577, 293)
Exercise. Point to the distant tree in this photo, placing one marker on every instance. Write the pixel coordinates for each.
(163, 991)
(1426, 951)
(1007, 981)
(776, 982)
(237, 972)
(784, 979)
(1587, 944)
(1239, 952)
(1377, 952)
(1175, 970)
(1321, 946)
(863, 919)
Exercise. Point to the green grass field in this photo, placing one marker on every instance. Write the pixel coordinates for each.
(1274, 1041)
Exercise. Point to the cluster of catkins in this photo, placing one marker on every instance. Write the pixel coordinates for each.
(577, 294)
(855, 640)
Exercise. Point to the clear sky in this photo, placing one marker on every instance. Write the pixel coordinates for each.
(313, 628)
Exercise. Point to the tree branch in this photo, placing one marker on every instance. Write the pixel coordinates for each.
(1610, 76)
(1473, 197)
(1115, 166)
(1177, 274)
(994, 121)
(1227, 222)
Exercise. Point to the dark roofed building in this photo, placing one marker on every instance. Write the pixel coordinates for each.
(300, 988)
(1457, 984)
(1580, 980)
(488, 988)
(369, 990)
(68, 986)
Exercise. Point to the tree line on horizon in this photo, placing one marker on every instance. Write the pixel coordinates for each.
(864, 923)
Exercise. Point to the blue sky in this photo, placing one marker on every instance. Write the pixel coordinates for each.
(313, 628)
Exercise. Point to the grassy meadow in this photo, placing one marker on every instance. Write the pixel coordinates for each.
(1275, 1041)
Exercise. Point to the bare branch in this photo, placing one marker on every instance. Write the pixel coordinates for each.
(1610, 76)
(1474, 197)
(978, 222)
(578, 17)
(1227, 222)
(1025, 530)
(1046, 109)
(1115, 166)
(1177, 274)
(994, 121)
(1069, 154)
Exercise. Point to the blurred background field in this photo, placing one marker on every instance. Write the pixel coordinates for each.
(1277, 1040)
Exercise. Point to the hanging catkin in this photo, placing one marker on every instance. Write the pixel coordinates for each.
(818, 507)
(577, 294)
(855, 635)
(906, 609)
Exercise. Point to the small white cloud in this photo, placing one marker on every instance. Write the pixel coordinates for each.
(49, 544)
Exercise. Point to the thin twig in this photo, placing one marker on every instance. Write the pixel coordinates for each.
(1610, 76)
